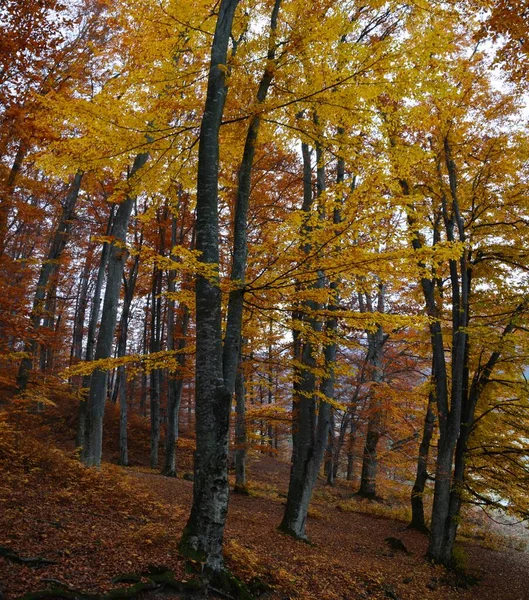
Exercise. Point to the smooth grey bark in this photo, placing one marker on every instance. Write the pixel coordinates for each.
(92, 328)
(375, 342)
(121, 380)
(95, 409)
(175, 381)
(203, 535)
(216, 361)
(154, 376)
(311, 419)
(47, 270)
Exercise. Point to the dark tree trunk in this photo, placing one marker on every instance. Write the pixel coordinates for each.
(6, 201)
(144, 347)
(350, 452)
(93, 446)
(175, 386)
(330, 452)
(240, 432)
(311, 425)
(417, 505)
(80, 312)
(203, 534)
(155, 380)
(216, 364)
(176, 340)
(443, 521)
(47, 270)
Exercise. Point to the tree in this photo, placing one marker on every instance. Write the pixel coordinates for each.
(203, 534)
(95, 409)
(456, 199)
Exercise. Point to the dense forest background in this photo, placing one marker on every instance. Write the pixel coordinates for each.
(286, 230)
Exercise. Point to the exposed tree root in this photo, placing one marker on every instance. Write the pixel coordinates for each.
(223, 584)
(34, 561)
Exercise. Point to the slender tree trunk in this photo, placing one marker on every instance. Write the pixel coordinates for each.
(241, 485)
(80, 312)
(216, 363)
(203, 534)
(417, 505)
(6, 200)
(48, 269)
(350, 452)
(92, 329)
(121, 379)
(175, 387)
(312, 426)
(374, 427)
(329, 454)
(441, 539)
(93, 447)
(144, 347)
(155, 346)
(340, 441)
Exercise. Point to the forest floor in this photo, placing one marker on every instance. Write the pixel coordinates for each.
(97, 525)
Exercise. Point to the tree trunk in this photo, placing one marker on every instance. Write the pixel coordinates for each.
(48, 268)
(203, 534)
(6, 201)
(350, 452)
(144, 347)
(240, 432)
(175, 381)
(121, 380)
(443, 519)
(374, 427)
(92, 328)
(155, 346)
(80, 312)
(312, 427)
(417, 505)
(216, 364)
(93, 447)
(330, 452)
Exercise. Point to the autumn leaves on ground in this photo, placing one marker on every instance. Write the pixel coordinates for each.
(95, 527)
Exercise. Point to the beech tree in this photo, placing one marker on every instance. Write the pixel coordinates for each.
(95, 408)
(204, 530)
(454, 203)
